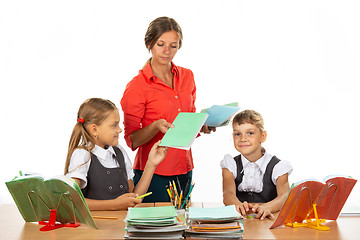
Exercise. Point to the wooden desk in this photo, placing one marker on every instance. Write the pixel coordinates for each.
(12, 226)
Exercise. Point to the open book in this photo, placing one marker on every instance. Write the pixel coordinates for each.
(187, 125)
(220, 115)
(35, 197)
(329, 197)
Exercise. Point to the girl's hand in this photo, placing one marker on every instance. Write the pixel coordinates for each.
(157, 153)
(125, 201)
(242, 208)
(262, 211)
(206, 129)
(162, 125)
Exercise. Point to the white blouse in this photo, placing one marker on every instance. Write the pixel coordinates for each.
(80, 162)
(254, 171)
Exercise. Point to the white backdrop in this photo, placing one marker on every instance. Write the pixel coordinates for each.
(296, 62)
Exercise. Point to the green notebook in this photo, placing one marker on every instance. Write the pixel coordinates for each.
(153, 213)
(186, 127)
(34, 196)
(211, 214)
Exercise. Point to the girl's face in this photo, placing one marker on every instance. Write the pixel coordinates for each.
(108, 132)
(248, 139)
(165, 48)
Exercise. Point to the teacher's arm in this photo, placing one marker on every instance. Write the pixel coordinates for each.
(144, 135)
(133, 104)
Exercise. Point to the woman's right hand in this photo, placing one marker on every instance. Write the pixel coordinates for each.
(125, 201)
(162, 125)
(144, 135)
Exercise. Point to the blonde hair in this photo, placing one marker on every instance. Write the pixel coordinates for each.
(92, 111)
(249, 116)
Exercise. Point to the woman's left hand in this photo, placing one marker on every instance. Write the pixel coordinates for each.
(206, 129)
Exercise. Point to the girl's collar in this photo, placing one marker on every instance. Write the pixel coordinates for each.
(101, 152)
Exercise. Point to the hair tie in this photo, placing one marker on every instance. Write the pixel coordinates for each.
(81, 120)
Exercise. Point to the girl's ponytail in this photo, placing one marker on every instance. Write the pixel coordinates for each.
(92, 111)
(78, 134)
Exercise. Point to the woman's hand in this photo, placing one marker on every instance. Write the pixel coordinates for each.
(157, 153)
(142, 136)
(162, 125)
(206, 129)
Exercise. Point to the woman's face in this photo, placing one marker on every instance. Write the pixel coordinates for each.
(165, 48)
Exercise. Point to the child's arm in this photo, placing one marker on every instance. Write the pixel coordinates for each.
(156, 155)
(122, 202)
(266, 209)
(229, 192)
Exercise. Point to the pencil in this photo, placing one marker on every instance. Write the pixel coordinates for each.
(168, 191)
(178, 182)
(144, 195)
(187, 187)
(188, 194)
(172, 191)
(177, 195)
(180, 199)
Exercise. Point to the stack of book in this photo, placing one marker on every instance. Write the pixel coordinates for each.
(221, 223)
(154, 223)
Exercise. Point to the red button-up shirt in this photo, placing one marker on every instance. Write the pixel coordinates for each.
(146, 99)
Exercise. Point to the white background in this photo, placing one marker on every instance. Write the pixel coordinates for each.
(296, 62)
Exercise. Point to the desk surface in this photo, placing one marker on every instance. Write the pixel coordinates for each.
(12, 226)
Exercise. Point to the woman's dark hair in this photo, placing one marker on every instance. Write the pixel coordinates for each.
(158, 27)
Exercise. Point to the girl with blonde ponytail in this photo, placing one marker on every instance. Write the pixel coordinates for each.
(99, 164)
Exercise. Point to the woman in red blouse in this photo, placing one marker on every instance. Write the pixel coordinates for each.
(151, 102)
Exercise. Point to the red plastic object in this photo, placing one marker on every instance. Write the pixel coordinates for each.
(51, 224)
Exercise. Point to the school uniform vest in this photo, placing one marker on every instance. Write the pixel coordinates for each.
(106, 183)
(268, 192)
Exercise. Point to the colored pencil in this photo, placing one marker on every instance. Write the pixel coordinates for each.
(144, 195)
(187, 196)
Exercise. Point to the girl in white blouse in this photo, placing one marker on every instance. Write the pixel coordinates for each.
(99, 164)
(254, 181)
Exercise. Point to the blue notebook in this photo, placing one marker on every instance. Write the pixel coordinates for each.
(220, 115)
